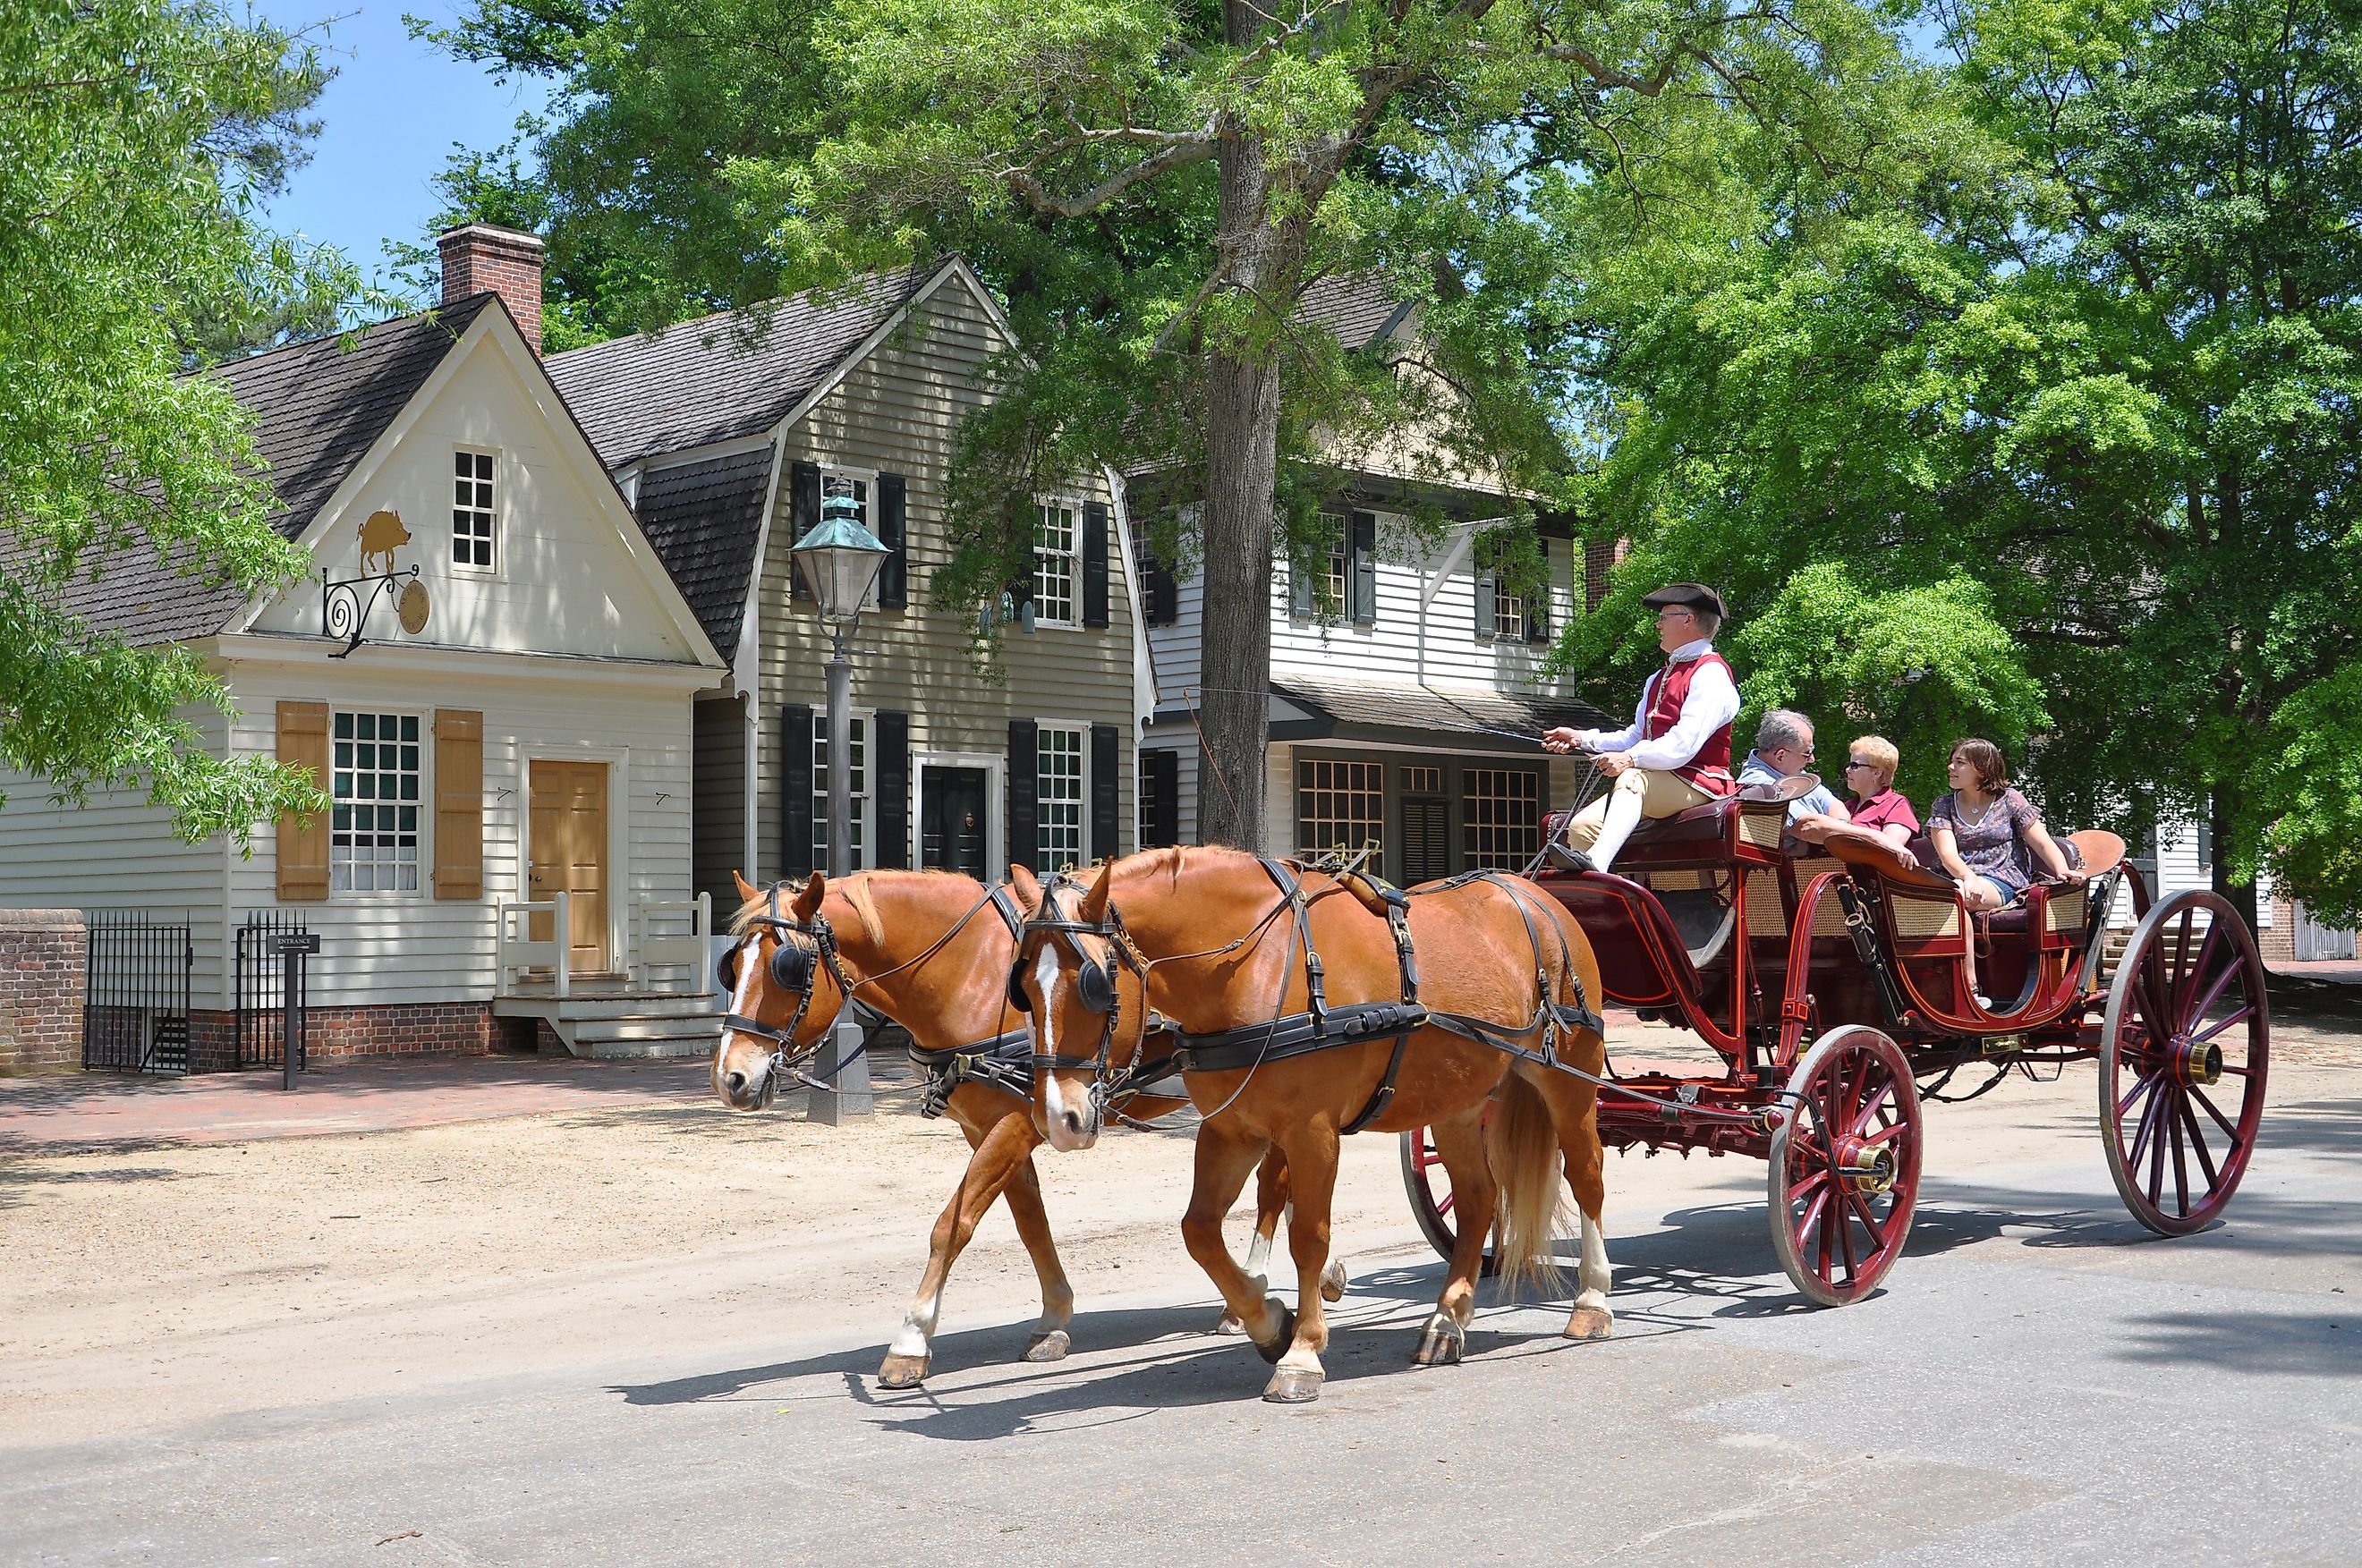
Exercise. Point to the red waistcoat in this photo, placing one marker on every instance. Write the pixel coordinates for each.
(1669, 688)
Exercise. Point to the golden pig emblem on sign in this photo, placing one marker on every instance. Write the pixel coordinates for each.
(345, 606)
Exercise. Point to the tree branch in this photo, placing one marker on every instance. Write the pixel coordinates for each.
(1195, 146)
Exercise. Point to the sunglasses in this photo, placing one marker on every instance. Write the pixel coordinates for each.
(1858, 762)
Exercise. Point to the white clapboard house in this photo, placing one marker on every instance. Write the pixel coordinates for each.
(1381, 675)
(488, 666)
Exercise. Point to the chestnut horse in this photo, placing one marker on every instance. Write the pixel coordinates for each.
(1207, 939)
(928, 950)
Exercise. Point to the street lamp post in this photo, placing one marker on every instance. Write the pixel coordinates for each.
(840, 560)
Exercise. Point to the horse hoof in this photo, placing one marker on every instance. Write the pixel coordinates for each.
(1051, 1346)
(1442, 1343)
(1281, 1341)
(1293, 1385)
(1230, 1324)
(1590, 1322)
(1332, 1281)
(903, 1372)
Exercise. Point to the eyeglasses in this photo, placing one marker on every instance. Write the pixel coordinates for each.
(1666, 615)
(1858, 762)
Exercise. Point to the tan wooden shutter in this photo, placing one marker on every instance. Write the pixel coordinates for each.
(303, 839)
(458, 804)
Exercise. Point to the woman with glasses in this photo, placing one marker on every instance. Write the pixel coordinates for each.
(1872, 798)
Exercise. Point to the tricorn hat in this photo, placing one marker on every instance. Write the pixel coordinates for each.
(1696, 596)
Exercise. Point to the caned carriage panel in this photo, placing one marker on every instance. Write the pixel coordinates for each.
(1924, 917)
(1761, 822)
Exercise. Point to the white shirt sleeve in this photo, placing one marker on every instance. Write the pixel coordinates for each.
(1713, 702)
(1621, 740)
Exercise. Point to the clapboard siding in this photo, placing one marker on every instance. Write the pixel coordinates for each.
(718, 837)
(378, 948)
(897, 411)
(116, 852)
(1444, 650)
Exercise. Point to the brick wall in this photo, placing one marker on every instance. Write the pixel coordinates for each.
(2277, 944)
(411, 1029)
(481, 257)
(42, 957)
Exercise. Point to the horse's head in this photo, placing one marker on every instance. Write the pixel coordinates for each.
(1080, 983)
(786, 989)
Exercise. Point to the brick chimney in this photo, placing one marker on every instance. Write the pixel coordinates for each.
(479, 257)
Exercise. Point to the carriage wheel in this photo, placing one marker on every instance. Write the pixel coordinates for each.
(2186, 1035)
(1844, 1176)
(1429, 1187)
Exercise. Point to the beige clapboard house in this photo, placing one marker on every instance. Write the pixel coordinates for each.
(489, 669)
(728, 437)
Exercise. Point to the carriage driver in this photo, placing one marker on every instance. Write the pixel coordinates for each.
(1676, 752)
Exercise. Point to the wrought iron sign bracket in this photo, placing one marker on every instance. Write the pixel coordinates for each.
(345, 603)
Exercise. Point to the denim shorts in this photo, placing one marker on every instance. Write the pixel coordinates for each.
(2009, 894)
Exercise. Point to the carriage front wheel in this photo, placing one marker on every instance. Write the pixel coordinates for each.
(2182, 1054)
(1844, 1177)
(1429, 1190)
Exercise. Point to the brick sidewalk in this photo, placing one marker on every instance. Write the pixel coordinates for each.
(95, 1110)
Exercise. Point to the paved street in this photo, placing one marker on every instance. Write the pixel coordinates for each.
(2041, 1383)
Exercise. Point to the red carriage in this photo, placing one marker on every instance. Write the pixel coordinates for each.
(1834, 982)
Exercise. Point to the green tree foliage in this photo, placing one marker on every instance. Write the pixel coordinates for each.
(1152, 187)
(136, 132)
(2082, 331)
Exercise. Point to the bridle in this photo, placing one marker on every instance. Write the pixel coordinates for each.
(792, 967)
(1094, 988)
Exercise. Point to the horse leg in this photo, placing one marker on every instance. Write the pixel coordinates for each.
(1312, 1183)
(1574, 1108)
(1271, 1202)
(1460, 1143)
(1048, 1340)
(998, 1150)
(1224, 1158)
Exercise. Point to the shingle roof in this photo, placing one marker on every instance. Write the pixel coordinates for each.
(703, 519)
(1343, 706)
(718, 377)
(1356, 306)
(318, 407)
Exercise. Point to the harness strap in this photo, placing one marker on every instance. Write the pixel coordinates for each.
(1291, 887)
(1296, 1035)
(1385, 1094)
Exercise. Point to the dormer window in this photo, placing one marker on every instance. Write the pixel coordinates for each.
(473, 519)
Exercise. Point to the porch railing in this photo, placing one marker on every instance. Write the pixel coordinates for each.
(660, 948)
(515, 951)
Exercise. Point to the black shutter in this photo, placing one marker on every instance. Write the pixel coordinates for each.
(1361, 576)
(1484, 628)
(1107, 752)
(1299, 590)
(795, 790)
(1094, 564)
(894, 576)
(890, 785)
(803, 516)
(1160, 811)
(1538, 612)
(1158, 588)
(1024, 792)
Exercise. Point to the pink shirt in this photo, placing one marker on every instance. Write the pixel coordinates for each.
(1887, 805)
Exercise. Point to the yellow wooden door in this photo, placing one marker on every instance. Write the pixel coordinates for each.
(568, 851)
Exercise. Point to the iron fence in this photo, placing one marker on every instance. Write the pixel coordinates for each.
(261, 999)
(136, 969)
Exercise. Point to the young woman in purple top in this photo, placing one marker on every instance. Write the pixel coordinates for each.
(1988, 836)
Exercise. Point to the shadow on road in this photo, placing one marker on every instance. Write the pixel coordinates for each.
(2307, 1346)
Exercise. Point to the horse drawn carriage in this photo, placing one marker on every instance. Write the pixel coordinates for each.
(1843, 987)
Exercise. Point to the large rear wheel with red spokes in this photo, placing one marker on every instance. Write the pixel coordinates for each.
(1429, 1190)
(1843, 1178)
(2183, 1050)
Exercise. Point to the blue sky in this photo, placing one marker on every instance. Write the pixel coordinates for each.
(389, 121)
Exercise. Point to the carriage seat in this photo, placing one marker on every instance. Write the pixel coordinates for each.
(1708, 824)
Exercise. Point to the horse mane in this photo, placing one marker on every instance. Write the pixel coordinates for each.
(855, 889)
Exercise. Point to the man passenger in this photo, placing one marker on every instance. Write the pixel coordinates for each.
(1676, 751)
(1783, 748)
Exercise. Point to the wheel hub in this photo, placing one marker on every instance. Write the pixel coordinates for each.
(1865, 1166)
(2198, 1062)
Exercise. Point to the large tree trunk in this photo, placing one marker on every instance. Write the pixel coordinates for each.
(1266, 262)
(2241, 895)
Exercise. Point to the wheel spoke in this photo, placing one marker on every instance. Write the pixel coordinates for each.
(2156, 1150)
(1869, 1223)
(1828, 1214)
(1845, 1243)
(2242, 1014)
(1810, 1183)
(2181, 1168)
(1443, 1206)
(2186, 981)
(2228, 1131)
(2141, 1085)
(2147, 1123)
(2179, 972)
(2197, 1145)
(1888, 1132)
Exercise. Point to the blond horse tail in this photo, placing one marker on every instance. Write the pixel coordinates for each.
(1521, 1145)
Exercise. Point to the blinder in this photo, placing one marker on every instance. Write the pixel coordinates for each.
(791, 965)
(1017, 997)
(727, 970)
(1094, 987)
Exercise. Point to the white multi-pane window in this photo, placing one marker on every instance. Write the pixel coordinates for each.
(373, 829)
(1340, 805)
(1333, 527)
(1501, 816)
(1508, 611)
(473, 517)
(1057, 568)
(859, 781)
(1058, 798)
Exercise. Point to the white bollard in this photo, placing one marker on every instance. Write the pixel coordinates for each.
(850, 1100)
